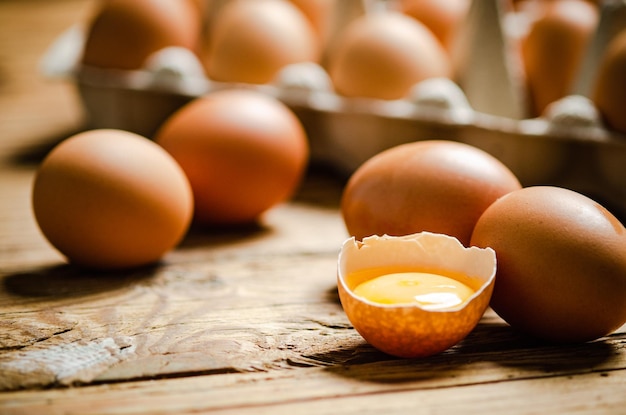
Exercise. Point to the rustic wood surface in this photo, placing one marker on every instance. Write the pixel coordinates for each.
(232, 321)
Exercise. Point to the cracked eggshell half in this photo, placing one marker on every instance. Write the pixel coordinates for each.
(410, 331)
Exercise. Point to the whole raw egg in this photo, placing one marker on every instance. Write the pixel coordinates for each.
(609, 93)
(553, 49)
(319, 13)
(123, 34)
(561, 263)
(442, 17)
(434, 186)
(243, 152)
(111, 199)
(251, 40)
(383, 55)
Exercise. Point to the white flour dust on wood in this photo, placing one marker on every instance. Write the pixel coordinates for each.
(63, 364)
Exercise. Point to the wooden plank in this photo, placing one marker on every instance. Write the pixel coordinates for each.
(470, 386)
(238, 306)
(236, 280)
(232, 316)
(21, 243)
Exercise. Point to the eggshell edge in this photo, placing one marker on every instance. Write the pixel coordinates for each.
(410, 331)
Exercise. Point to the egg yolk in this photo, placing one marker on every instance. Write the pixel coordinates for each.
(429, 291)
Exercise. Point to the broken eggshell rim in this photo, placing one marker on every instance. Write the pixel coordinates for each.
(426, 251)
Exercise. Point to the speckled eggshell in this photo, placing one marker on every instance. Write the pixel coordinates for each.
(410, 331)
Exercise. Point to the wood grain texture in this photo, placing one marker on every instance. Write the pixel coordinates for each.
(233, 321)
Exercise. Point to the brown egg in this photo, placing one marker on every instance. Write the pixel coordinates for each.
(383, 55)
(553, 49)
(609, 93)
(561, 264)
(442, 17)
(243, 152)
(203, 6)
(111, 199)
(251, 40)
(435, 186)
(319, 13)
(124, 33)
(520, 4)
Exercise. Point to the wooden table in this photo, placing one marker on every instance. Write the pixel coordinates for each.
(241, 321)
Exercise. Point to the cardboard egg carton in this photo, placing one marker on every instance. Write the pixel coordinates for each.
(568, 146)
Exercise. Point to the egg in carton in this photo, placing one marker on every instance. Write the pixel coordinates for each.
(568, 144)
(484, 106)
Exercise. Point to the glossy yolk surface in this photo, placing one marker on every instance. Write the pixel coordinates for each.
(430, 291)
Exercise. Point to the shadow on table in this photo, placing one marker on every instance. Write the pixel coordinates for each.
(68, 281)
(492, 352)
(32, 154)
(508, 347)
(200, 235)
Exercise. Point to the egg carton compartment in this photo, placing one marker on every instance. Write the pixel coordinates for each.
(568, 146)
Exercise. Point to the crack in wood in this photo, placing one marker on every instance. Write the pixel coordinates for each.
(22, 337)
(163, 376)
